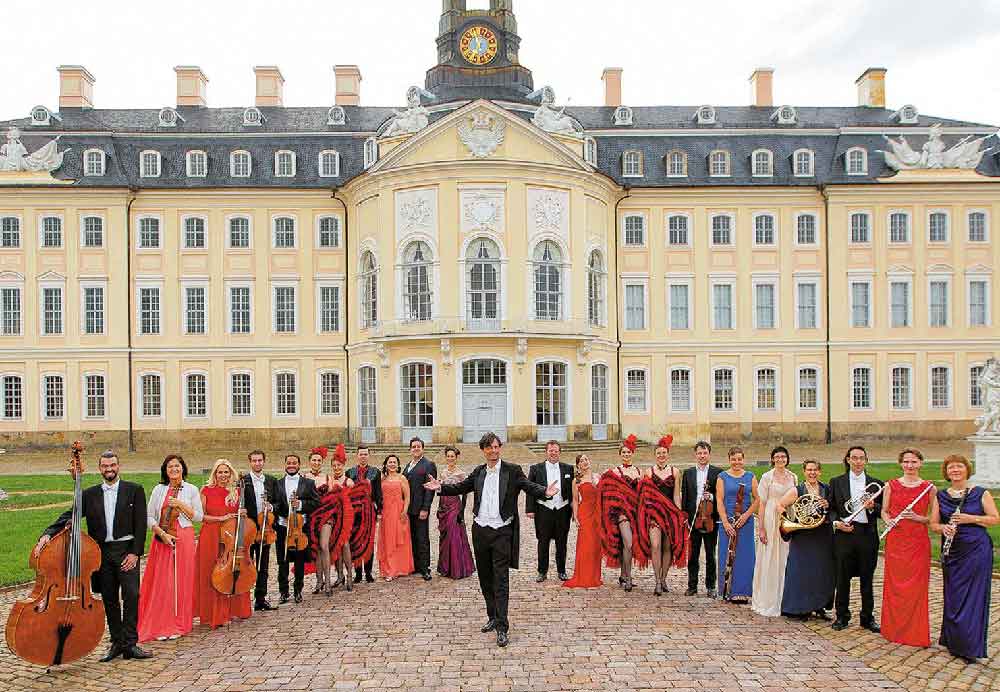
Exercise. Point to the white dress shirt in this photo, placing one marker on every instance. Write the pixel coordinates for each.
(857, 490)
(557, 501)
(291, 486)
(489, 504)
(188, 494)
(258, 489)
(702, 479)
(110, 503)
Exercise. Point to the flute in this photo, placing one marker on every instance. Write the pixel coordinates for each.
(946, 546)
(891, 524)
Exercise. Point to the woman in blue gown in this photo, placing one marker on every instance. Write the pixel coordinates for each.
(736, 526)
(963, 514)
(809, 573)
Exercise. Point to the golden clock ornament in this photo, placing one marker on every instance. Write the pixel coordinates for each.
(479, 45)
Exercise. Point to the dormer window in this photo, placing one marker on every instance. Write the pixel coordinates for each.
(623, 115)
(632, 164)
(705, 115)
(197, 164)
(41, 116)
(907, 115)
(856, 161)
(590, 150)
(168, 117)
(371, 152)
(252, 117)
(336, 116)
(149, 164)
(284, 164)
(784, 115)
(718, 164)
(239, 164)
(676, 164)
(329, 164)
(93, 162)
(803, 160)
(763, 163)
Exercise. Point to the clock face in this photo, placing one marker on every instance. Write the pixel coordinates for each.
(478, 45)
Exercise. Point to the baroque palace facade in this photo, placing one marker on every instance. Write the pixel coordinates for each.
(486, 260)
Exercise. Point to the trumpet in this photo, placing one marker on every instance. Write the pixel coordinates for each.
(855, 507)
(806, 513)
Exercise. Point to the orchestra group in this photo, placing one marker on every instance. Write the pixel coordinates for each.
(786, 543)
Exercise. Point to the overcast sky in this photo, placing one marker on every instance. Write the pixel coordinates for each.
(941, 56)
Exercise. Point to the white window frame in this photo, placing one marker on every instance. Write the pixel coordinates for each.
(590, 150)
(370, 152)
(930, 387)
(732, 229)
(194, 283)
(949, 296)
(565, 291)
(798, 387)
(229, 235)
(142, 164)
(727, 160)
(684, 163)
(51, 284)
(970, 278)
(190, 163)
(3, 396)
(140, 284)
(947, 226)
(899, 278)
(892, 386)
(735, 381)
(319, 392)
(865, 278)
(815, 217)
(645, 229)
(728, 280)
(277, 165)
(756, 389)
(138, 233)
(871, 387)
(16, 284)
(318, 234)
(864, 161)
(101, 169)
(774, 229)
(185, 396)
(773, 280)
(88, 284)
(339, 286)
(364, 277)
(43, 396)
(888, 228)
(970, 384)
(642, 281)
(814, 279)
(768, 171)
(632, 156)
(232, 163)
(275, 285)
(295, 232)
(83, 230)
(249, 285)
(274, 393)
(140, 399)
(686, 280)
(689, 232)
(812, 163)
(229, 391)
(41, 232)
(336, 164)
(20, 232)
(625, 389)
(850, 227)
(691, 391)
(986, 225)
(183, 233)
(84, 395)
(601, 277)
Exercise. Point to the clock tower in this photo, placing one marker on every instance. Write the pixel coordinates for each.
(477, 54)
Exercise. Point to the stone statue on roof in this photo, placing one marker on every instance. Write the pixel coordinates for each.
(413, 119)
(553, 120)
(15, 157)
(934, 154)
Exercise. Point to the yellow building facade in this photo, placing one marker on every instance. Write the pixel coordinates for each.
(484, 260)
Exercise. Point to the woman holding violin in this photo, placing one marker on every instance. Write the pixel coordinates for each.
(166, 599)
(221, 502)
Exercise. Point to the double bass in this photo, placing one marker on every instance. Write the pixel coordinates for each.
(61, 621)
(234, 572)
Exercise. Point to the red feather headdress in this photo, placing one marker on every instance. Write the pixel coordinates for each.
(340, 454)
(666, 441)
(631, 442)
(322, 451)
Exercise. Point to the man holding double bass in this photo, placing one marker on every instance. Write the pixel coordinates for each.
(115, 511)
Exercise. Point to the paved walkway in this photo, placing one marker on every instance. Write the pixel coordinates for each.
(417, 636)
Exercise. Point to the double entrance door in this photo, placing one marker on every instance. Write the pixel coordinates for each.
(484, 399)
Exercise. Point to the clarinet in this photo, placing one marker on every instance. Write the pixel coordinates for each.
(946, 546)
(727, 582)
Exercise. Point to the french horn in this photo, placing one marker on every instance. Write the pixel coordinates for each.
(806, 513)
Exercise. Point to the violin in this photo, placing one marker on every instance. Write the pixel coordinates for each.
(234, 572)
(168, 515)
(703, 518)
(297, 539)
(61, 621)
(266, 535)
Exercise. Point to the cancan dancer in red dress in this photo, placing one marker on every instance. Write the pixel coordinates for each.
(662, 526)
(317, 457)
(330, 525)
(620, 505)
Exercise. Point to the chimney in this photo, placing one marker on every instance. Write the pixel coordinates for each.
(871, 87)
(762, 86)
(270, 85)
(192, 86)
(347, 85)
(76, 87)
(612, 78)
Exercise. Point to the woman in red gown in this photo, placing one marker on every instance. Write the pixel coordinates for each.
(905, 613)
(662, 526)
(330, 526)
(587, 512)
(619, 494)
(395, 557)
(220, 502)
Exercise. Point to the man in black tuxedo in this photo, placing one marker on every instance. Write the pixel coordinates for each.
(697, 486)
(553, 515)
(305, 502)
(495, 531)
(115, 512)
(262, 492)
(855, 544)
(365, 472)
(417, 472)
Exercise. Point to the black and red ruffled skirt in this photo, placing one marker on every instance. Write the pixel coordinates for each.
(657, 508)
(619, 502)
(363, 524)
(336, 509)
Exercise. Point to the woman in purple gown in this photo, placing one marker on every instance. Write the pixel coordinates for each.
(454, 553)
(962, 516)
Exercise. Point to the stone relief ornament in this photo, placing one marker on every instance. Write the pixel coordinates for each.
(383, 355)
(482, 134)
(522, 351)
(989, 381)
(446, 355)
(583, 351)
(413, 119)
(553, 120)
(415, 213)
(15, 157)
(482, 211)
(966, 154)
(548, 212)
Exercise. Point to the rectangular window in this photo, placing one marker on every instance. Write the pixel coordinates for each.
(239, 309)
(13, 397)
(808, 389)
(285, 399)
(599, 395)
(976, 389)
(197, 164)
(977, 227)
(635, 306)
(96, 396)
(680, 390)
(861, 228)
(150, 164)
(194, 233)
(764, 310)
(939, 303)
(677, 230)
(899, 228)
(10, 311)
(329, 394)
(900, 299)
(329, 232)
(197, 396)
(937, 227)
(93, 310)
(635, 230)
(149, 233)
(635, 394)
(680, 309)
(805, 229)
(284, 233)
(151, 393)
(722, 230)
(763, 230)
(329, 164)
(52, 311)
(149, 310)
(284, 164)
(722, 394)
(240, 393)
(805, 294)
(861, 388)
(284, 309)
(55, 397)
(10, 232)
(93, 231)
(979, 312)
(861, 304)
(901, 388)
(329, 309)
(767, 389)
(722, 306)
(52, 231)
(195, 310)
(940, 387)
(239, 164)
(239, 232)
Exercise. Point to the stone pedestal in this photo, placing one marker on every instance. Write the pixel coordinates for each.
(987, 460)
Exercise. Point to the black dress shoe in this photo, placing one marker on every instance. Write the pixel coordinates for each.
(427, 575)
(135, 652)
(264, 605)
(357, 577)
(691, 592)
(540, 578)
(284, 599)
(489, 626)
(821, 614)
(114, 652)
(339, 582)
(839, 625)
(563, 576)
(298, 597)
(502, 638)
(369, 578)
(713, 593)
(871, 627)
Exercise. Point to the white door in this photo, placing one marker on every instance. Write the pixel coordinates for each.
(417, 398)
(599, 402)
(366, 403)
(484, 399)
(550, 401)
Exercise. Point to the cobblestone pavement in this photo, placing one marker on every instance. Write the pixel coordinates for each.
(418, 636)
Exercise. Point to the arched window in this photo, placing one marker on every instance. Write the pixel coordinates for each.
(149, 164)
(329, 164)
(239, 164)
(804, 163)
(763, 163)
(284, 164)
(857, 161)
(548, 281)
(197, 164)
(596, 288)
(718, 164)
(369, 290)
(676, 164)
(483, 285)
(417, 282)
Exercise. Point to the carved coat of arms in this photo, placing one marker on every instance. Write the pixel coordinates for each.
(482, 134)
(415, 213)
(548, 212)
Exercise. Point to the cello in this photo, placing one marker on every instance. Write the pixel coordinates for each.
(234, 572)
(61, 621)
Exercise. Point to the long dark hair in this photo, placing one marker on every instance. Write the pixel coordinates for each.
(385, 464)
(163, 468)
